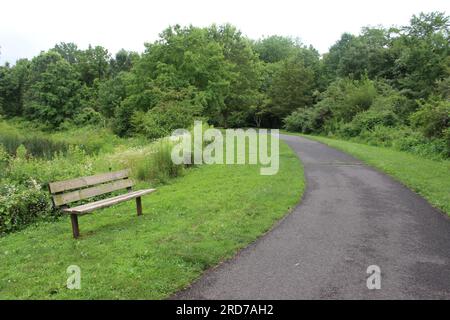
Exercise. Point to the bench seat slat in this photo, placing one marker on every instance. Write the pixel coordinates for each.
(86, 208)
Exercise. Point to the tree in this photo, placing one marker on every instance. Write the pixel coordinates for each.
(422, 51)
(92, 64)
(245, 68)
(123, 61)
(275, 48)
(111, 93)
(69, 51)
(12, 86)
(52, 91)
(184, 65)
(260, 110)
(292, 87)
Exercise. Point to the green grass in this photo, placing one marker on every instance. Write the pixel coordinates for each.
(44, 144)
(189, 225)
(429, 178)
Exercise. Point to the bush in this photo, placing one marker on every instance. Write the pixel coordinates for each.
(88, 116)
(162, 120)
(368, 120)
(298, 121)
(433, 117)
(446, 139)
(4, 161)
(307, 120)
(345, 97)
(121, 123)
(404, 139)
(22, 205)
(23, 184)
(74, 163)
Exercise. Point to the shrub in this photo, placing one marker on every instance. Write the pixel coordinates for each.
(345, 97)
(308, 120)
(433, 117)
(123, 113)
(162, 120)
(379, 136)
(393, 100)
(88, 116)
(22, 205)
(368, 120)
(447, 141)
(298, 121)
(23, 186)
(4, 161)
(404, 139)
(73, 164)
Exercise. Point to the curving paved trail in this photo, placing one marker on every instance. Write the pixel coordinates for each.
(351, 216)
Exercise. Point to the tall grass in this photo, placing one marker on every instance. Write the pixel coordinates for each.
(37, 146)
(46, 145)
(152, 163)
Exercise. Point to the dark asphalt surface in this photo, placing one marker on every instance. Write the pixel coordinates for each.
(351, 217)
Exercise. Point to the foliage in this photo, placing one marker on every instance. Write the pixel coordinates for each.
(162, 120)
(88, 116)
(111, 93)
(293, 84)
(52, 90)
(275, 48)
(433, 117)
(367, 121)
(22, 205)
(12, 87)
(298, 121)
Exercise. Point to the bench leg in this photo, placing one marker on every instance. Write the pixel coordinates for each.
(75, 228)
(139, 206)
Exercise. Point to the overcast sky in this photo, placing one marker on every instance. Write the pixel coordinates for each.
(27, 27)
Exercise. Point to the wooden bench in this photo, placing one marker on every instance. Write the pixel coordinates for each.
(68, 191)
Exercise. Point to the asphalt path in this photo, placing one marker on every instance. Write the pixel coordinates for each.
(351, 217)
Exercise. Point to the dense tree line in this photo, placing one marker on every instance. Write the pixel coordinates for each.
(383, 78)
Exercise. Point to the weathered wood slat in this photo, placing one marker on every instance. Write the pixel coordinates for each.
(86, 208)
(77, 183)
(64, 198)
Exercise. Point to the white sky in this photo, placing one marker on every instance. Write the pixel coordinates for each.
(27, 27)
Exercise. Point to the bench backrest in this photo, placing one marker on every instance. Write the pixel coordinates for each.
(64, 192)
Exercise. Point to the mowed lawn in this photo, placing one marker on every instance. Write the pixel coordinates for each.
(189, 225)
(429, 178)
